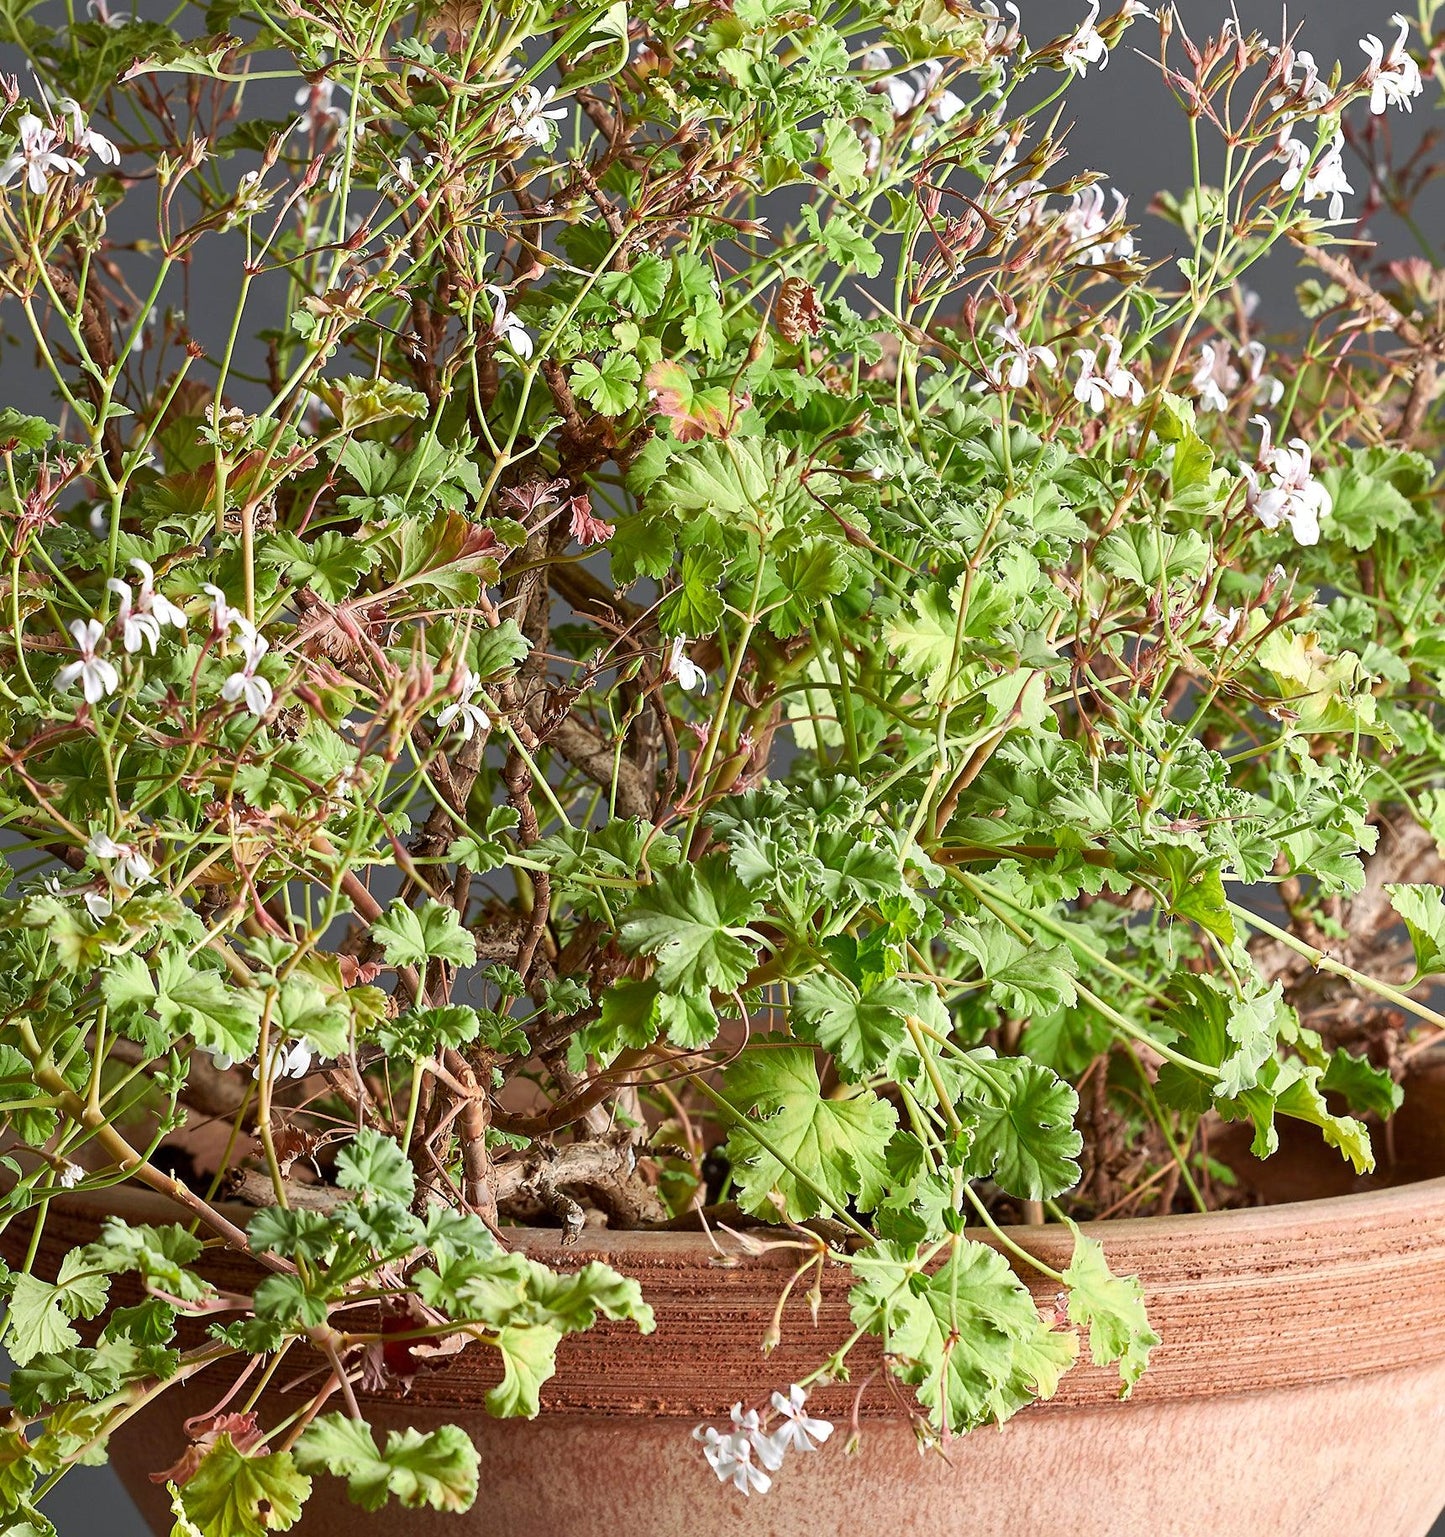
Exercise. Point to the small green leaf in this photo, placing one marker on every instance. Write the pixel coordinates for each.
(1112, 1307)
(1021, 1115)
(38, 1320)
(694, 919)
(529, 1358)
(375, 1165)
(967, 1335)
(1423, 911)
(609, 387)
(863, 1028)
(412, 936)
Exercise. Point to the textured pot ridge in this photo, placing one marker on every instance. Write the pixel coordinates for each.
(1290, 1335)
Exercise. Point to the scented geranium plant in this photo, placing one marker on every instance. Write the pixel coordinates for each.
(659, 613)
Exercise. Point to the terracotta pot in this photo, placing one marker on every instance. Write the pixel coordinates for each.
(1299, 1388)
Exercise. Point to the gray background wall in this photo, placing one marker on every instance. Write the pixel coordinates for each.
(1128, 128)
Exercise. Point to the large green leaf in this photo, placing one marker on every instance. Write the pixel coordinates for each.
(816, 1153)
(1021, 1115)
(234, 1495)
(433, 1471)
(694, 919)
(967, 1335)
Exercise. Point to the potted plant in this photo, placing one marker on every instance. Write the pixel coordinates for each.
(673, 721)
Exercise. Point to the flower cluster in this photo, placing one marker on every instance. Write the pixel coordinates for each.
(747, 1455)
(1098, 383)
(38, 155)
(1282, 489)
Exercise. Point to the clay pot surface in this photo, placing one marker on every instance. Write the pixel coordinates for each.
(1299, 1388)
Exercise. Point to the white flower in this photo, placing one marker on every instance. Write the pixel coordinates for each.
(1001, 35)
(247, 684)
(690, 677)
(1086, 47)
(85, 138)
(1085, 220)
(948, 106)
(1328, 179)
(1205, 379)
(152, 602)
(1097, 384)
(320, 114)
(36, 156)
(1092, 389)
(1271, 390)
(130, 867)
(1290, 494)
(224, 618)
(731, 1458)
(1314, 90)
(293, 1061)
(98, 905)
(137, 629)
(465, 713)
(798, 1429)
(1223, 626)
(70, 1175)
(98, 677)
(902, 95)
(506, 328)
(1017, 359)
(1394, 77)
(1295, 155)
(105, 16)
(532, 117)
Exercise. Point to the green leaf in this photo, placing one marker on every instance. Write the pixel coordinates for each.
(694, 919)
(218, 1015)
(926, 639)
(863, 1028)
(610, 387)
(727, 478)
(1112, 1307)
(412, 936)
(529, 1358)
(359, 400)
(843, 154)
(819, 1154)
(27, 431)
(1368, 1090)
(38, 1320)
(1193, 460)
(331, 565)
(1024, 979)
(480, 852)
(233, 1495)
(305, 1013)
(17, 1082)
(640, 288)
(1196, 890)
(695, 605)
(1021, 1114)
(435, 1471)
(968, 1335)
(1423, 911)
(375, 1165)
